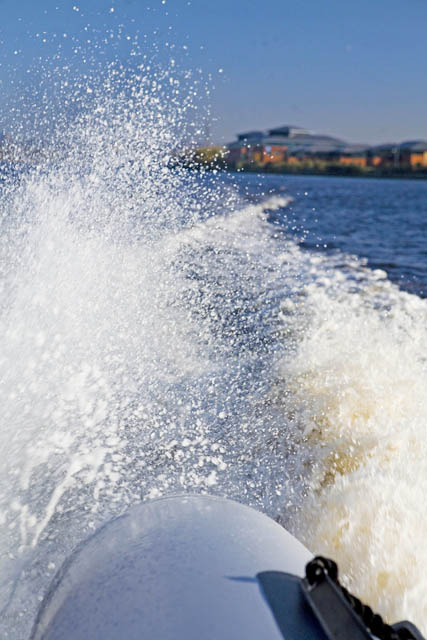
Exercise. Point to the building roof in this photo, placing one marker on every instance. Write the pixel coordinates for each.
(294, 138)
(304, 143)
(288, 130)
(389, 146)
(298, 140)
(414, 145)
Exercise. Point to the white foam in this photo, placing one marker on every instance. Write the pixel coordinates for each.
(356, 386)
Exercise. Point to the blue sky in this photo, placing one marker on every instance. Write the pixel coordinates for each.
(357, 70)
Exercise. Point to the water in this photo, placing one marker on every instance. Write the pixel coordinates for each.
(164, 331)
(384, 221)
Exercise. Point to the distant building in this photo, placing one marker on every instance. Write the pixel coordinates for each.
(413, 154)
(410, 155)
(385, 156)
(292, 145)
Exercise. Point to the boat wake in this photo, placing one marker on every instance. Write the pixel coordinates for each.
(159, 334)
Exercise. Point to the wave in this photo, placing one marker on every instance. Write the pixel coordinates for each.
(355, 390)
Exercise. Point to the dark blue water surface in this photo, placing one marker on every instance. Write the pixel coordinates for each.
(382, 220)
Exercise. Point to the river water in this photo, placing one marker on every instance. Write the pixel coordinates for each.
(258, 337)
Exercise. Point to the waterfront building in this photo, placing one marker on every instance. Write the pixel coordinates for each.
(413, 154)
(292, 145)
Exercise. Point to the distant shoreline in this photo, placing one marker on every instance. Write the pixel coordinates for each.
(338, 172)
(217, 158)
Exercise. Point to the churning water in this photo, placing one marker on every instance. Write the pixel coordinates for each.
(164, 331)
